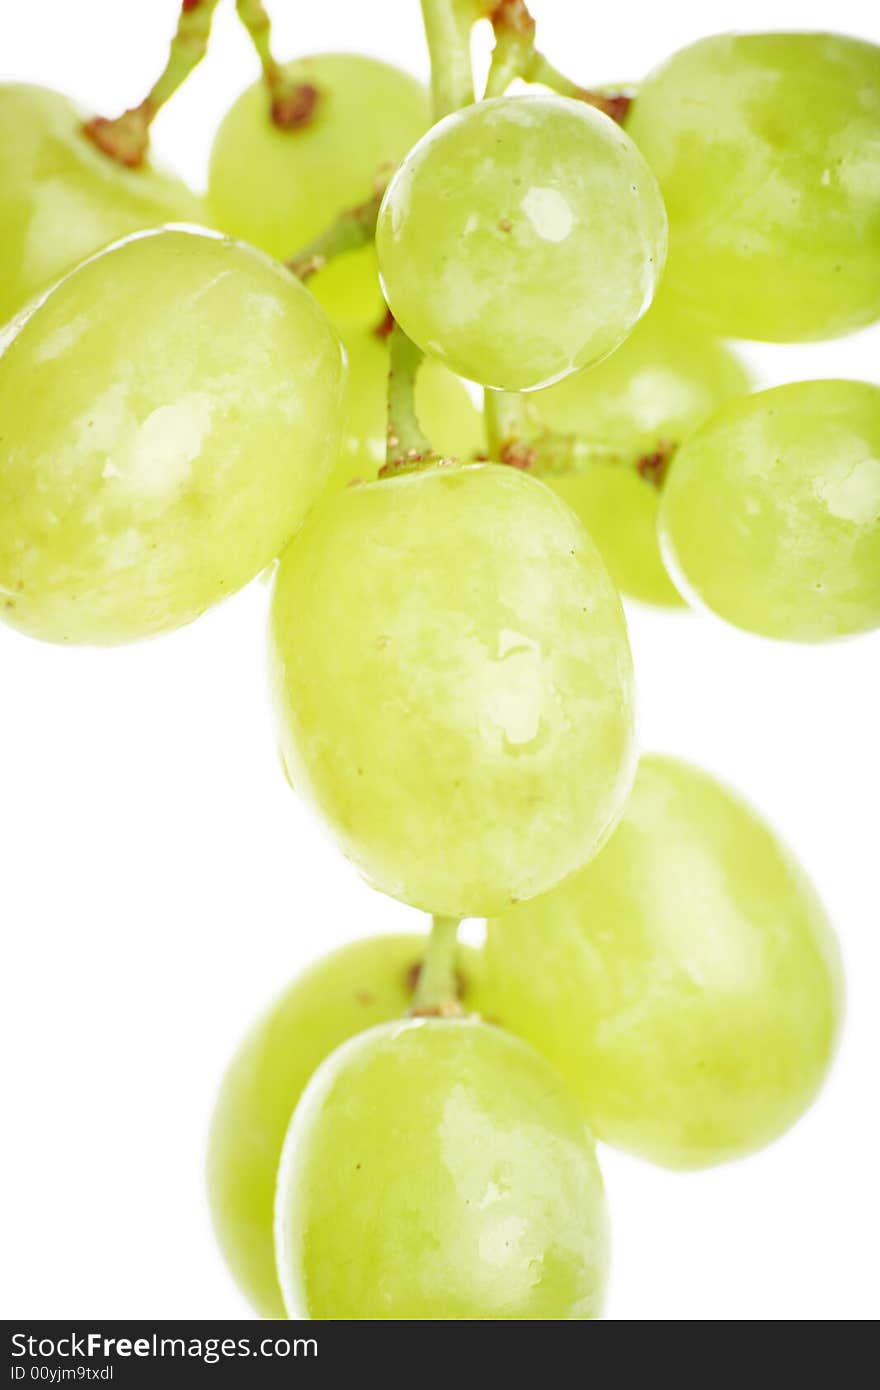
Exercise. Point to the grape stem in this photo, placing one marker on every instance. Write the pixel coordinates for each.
(292, 104)
(517, 438)
(352, 229)
(126, 138)
(515, 56)
(408, 448)
(448, 25)
(436, 993)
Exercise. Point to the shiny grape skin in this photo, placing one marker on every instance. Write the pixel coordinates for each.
(62, 200)
(453, 685)
(354, 988)
(155, 458)
(686, 984)
(522, 238)
(771, 512)
(767, 149)
(439, 1170)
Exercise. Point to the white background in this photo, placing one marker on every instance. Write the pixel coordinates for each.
(159, 882)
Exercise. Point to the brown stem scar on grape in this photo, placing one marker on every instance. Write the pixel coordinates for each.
(516, 454)
(295, 109)
(654, 466)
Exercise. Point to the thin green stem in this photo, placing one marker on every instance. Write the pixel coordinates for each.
(515, 56)
(519, 439)
(448, 25)
(507, 420)
(352, 229)
(437, 989)
(292, 104)
(614, 103)
(514, 30)
(255, 18)
(126, 138)
(407, 444)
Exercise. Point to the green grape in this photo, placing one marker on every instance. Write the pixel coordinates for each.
(445, 410)
(686, 983)
(767, 148)
(364, 983)
(61, 199)
(454, 685)
(348, 289)
(521, 239)
(438, 1170)
(619, 508)
(771, 512)
(154, 458)
(646, 397)
(280, 188)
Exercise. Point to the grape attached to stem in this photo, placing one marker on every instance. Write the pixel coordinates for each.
(767, 149)
(439, 1170)
(771, 512)
(155, 458)
(521, 239)
(686, 983)
(361, 985)
(453, 683)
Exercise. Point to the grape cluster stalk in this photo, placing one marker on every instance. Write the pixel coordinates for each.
(409, 1131)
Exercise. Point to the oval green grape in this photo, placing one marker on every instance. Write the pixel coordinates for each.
(438, 1170)
(445, 411)
(454, 685)
(642, 401)
(521, 239)
(767, 149)
(362, 984)
(153, 458)
(279, 188)
(61, 199)
(686, 983)
(771, 512)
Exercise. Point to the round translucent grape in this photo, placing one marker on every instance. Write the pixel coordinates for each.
(643, 400)
(767, 148)
(445, 410)
(439, 1170)
(355, 988)
(521, 239)
(154, 458)
(62, 200)
(771, 512)
(686, 983)
(454, 685)
(280, 188)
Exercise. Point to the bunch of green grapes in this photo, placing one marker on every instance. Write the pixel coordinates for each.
(153, 458)
(62, 199)
(449, 656)
(767, 149)
(279, 188)
(635, 409)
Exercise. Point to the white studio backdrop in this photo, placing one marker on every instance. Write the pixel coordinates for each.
(159, 882)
